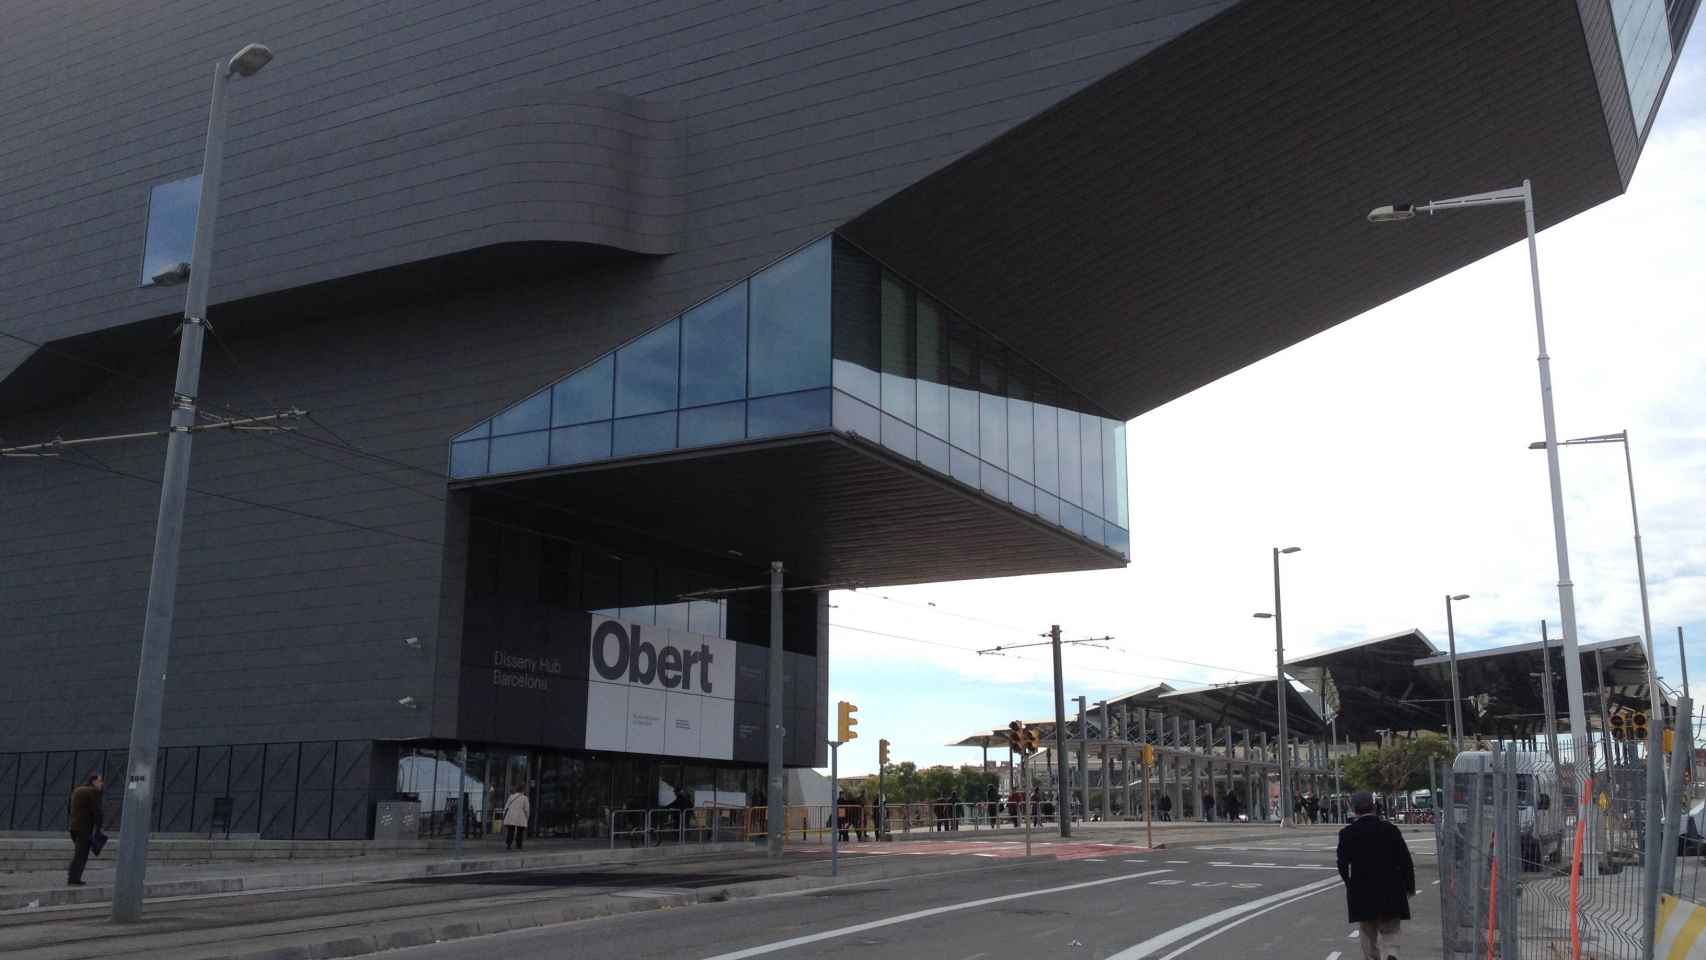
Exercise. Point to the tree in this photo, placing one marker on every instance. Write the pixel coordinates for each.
(1397, 767)
(908, 786)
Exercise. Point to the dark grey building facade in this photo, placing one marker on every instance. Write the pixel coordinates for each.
(598, 308)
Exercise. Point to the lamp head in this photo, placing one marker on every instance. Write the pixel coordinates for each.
(1262, 616)
(1392, 212)
(1290, 549)
(1460, 596)
(248, 61)
(1537, 445)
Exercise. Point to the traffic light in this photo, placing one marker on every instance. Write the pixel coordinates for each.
(844, 729)
(1638, 730)
(882, 753)
(1148, 755)
(1033, 740)
(1670, 740)
(1016, 736)
(1618, 731)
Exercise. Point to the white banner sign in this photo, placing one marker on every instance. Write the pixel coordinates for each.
(661, 691)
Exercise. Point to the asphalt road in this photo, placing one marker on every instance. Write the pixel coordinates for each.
(1272, 898)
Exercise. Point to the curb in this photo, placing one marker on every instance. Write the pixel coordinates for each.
(336, 875)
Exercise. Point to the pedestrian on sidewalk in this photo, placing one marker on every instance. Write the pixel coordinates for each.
(1379, 877)
(1166, 807)
(518, 810)
(1208, 808)
(84, 821)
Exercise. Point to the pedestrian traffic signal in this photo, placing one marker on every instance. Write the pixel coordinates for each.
(1618, 731)
(1148, 755)
(844, 729)
(1639, 729)
(882, 753)
(1016, 736)
(1670, 740)
(1033, 740)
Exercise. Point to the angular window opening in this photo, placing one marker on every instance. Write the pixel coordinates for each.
(170, 235)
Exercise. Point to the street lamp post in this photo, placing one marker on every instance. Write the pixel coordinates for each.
(132, 868)
(1566, 589)
(1456, 691)
(1280, 690)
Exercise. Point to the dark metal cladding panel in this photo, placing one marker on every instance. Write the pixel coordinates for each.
(58, 778)
(350, 812)
(213, 771)
(318, 766)
(313, 815)
(8, 788)
(248, 765)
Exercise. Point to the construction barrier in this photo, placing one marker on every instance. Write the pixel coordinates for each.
(1681, 930)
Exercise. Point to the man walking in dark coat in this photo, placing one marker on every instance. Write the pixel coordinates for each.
(1379, 878)
(84, 823)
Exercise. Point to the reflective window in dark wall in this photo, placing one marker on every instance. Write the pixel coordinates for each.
(523, 451)
(1045, 427)
(723, 423)
(534, 413)
(790, 324)
(900, 346)
(1071, 464)
(713, 349)
(1090, 448)
(582, 443)
(468, 459)
(857, 289)
(992, 428)
(170, 236)
(646, 372)
(586, 395)
(932, 366)
(779, 416)
(1110, 472)
(649, 434)
(1020, 434)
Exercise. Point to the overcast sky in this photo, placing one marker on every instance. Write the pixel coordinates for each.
(1393, 450)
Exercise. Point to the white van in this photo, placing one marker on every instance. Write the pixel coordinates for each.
(1543, 813)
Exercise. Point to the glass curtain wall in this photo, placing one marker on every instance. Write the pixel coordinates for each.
(827, 339)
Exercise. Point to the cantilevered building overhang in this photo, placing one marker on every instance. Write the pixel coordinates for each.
(1204, 207)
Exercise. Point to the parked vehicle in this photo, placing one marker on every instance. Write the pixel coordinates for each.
(1542, 819)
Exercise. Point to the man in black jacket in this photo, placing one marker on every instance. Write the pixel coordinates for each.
(84, 823)
(1379, 878)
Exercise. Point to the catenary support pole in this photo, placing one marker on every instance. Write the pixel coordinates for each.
(461, 796)
(1681, 747)
(1083, 759)
(834, 808)
(776, 813)
(140, 779)
(1107, 779)
(1062, 786)
(1548, 698)
(1280, 685)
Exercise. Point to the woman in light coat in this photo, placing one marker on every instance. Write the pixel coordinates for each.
(517, 811)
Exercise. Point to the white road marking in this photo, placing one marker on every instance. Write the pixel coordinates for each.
(1271, 866)
(1101, 860)
(1187, 861)
(792, 942)
(1354, 933)
(1436, 882)
(1237, 915)
(1331, 956)
(1146, 861)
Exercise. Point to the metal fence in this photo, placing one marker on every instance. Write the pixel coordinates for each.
(1554, 859)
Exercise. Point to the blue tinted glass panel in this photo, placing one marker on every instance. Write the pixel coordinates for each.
(171, 226)
(1020, 462)
(994, 480)
(468, 459)
(790, 331)
(794, 413)
(933, 453)
(1122, 479)
(1643, 39)
(964, 467)
(534, 413)
(1072, 518)
(992, 429)
(703, 426)
(713, 349)
(646, 372)
(1071, 464)
(581, 444)
(523, 451)
(900, 436)
(1090, 449)
(962, 418)
(586, 395)
(1048, 507)
(900, 346)
(933, 409)
(1110, 473)
(1122, 542)
(855, 417)
(483, 430)
(1045, 427)
(648, 434)
(1024, 495)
